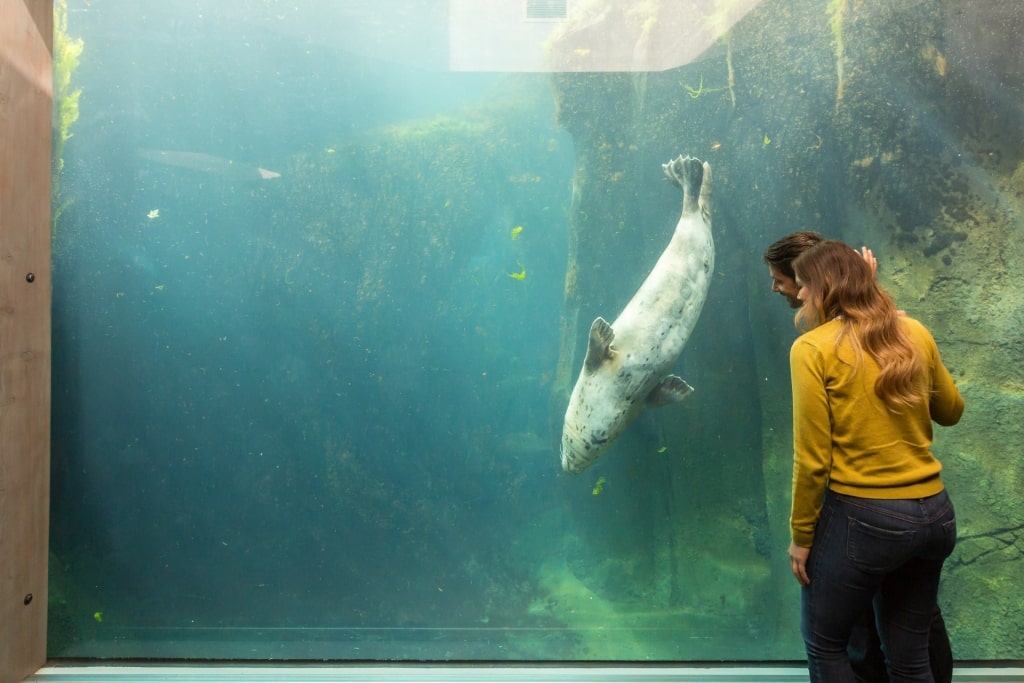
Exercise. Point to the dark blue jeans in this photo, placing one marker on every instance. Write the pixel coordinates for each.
(868, 660)
(885, 552)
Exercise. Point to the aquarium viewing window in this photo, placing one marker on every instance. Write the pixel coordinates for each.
(323, 276)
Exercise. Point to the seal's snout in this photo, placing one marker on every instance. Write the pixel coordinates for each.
(573, 451)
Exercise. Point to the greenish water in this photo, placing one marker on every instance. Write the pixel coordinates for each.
(319, 301)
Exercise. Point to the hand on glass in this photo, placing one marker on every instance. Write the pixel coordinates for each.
(869, 258)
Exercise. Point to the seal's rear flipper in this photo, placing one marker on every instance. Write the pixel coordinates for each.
(672, 389)
(687, 173)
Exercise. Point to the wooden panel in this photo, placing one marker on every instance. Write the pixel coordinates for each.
(25, 100)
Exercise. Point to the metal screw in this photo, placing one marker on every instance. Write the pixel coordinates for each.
(28, 598)
(31, 277)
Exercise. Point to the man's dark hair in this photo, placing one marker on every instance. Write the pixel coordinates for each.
(780, 254)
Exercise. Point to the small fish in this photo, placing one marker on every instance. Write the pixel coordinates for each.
(767, 140)
(98, 617)
(599, 486)
(521, 275)
(206, 163)
(514, 233)
(663, 449)
(155, 213)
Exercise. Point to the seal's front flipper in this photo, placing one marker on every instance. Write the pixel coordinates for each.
(600, 345)
(672, 389)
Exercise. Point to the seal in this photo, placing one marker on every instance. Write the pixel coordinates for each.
(628, 361)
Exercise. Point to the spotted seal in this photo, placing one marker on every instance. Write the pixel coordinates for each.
(628, 361)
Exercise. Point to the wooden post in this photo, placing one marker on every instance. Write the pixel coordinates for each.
(26, 36)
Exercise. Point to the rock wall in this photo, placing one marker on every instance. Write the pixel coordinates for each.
(888, 124)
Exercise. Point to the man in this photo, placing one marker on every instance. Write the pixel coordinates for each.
(780, 255)
(864, 648)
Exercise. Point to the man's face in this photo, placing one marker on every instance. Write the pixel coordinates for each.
(786, 286)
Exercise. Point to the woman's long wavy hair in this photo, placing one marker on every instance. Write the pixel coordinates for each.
(840, 284)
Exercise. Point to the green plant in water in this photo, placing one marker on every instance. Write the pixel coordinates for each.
(66, 54)
(720, 22)
(727, 38)
(836, 9)
(695, 93)
(701, 90)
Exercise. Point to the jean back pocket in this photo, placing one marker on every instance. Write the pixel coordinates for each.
(876, 550)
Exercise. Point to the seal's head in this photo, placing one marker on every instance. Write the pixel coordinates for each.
(579, 449)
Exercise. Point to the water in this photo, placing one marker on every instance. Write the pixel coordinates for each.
(317, 415)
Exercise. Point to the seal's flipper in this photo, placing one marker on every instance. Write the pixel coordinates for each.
(672, 389)
(600, 346)
(687, 174)
(705, 194)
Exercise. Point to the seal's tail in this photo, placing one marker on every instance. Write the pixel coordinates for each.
(694, 179)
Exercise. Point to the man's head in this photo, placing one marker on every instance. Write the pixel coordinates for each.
(779, 257)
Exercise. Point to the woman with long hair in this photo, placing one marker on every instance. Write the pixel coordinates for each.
(871, 521)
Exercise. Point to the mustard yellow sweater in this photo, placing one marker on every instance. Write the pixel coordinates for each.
(845, 438)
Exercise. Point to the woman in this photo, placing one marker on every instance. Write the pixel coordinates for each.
(871, 520)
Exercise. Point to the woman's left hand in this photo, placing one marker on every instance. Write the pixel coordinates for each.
(869, 258)
(798, 563)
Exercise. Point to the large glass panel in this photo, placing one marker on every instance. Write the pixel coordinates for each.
(324, 276)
